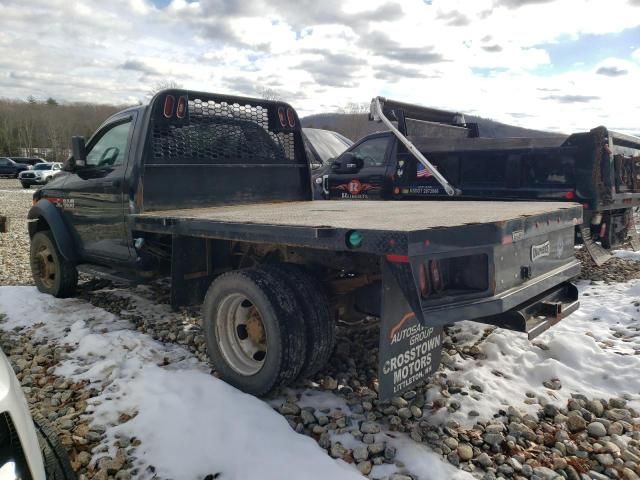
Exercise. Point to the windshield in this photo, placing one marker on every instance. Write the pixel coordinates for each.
(43, 166)
(326, 143)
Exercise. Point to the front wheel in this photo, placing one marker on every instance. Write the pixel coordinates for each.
(254, 328)
(52, 273)
(25, 185)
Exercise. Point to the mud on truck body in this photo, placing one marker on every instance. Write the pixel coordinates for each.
(214, 191)
(599, 169)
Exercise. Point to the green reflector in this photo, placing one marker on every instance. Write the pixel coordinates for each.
(354, 239)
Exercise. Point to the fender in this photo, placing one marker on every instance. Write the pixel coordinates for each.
(51, 214)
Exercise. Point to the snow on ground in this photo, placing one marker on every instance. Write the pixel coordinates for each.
(594, 352)
(192, 424)
(627, 255)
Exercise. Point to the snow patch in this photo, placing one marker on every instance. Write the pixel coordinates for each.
(627, 255)
(190, 423)
(594, 351)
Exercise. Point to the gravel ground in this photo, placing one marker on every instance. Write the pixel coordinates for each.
(586, 439)
(14, 245)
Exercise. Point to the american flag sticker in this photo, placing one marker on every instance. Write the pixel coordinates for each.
(423, 172)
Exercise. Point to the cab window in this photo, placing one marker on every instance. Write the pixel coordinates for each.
(372, 152)
(111, 148)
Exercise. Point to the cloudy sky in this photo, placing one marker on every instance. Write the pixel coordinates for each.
(550, 64)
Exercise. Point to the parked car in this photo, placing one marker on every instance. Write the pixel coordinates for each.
(11, 168)
(29, 448)
(40, 174)
(32, 161)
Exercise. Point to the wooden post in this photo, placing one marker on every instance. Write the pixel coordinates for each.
(4, 224)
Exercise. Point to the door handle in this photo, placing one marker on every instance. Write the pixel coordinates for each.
(110, 183)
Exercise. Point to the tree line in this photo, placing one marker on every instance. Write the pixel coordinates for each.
(44, 128)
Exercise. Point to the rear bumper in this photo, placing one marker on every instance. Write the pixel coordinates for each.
(502, 302)
(540, 313)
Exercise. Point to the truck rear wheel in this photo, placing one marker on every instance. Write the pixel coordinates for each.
(319, 322)
(255, 331)
(52, 273)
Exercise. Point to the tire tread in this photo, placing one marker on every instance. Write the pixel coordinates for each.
(67, 270)
(56, 460)
(316, 308)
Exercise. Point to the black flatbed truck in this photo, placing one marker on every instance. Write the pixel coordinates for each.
(215, 192)
(599, 169)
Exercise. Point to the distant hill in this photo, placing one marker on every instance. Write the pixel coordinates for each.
(357, 125)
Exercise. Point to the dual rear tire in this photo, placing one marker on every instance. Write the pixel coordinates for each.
(265, 327)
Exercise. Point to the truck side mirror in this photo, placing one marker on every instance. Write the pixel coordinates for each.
(347, 163)
(79, 151)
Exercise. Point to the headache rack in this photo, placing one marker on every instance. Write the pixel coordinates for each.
(214, 149)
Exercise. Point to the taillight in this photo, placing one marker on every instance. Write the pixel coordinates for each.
(425, 289)
(436, 275)
(169, 103)
(282, 116)
(181, 109)
(569, 195)
(291, 117)
(453, 276)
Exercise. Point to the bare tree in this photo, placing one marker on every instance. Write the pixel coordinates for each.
(44, 129)
(269, 94)
(163, 85)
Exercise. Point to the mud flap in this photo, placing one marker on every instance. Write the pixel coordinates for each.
(409, 352)
(598, 254)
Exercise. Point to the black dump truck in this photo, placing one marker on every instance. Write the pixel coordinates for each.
(214, 191)
(430, 153)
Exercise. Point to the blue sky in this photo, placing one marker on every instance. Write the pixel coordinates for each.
(562, 65)
(584, 51)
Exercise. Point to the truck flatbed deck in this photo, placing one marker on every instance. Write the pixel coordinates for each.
(375, 215)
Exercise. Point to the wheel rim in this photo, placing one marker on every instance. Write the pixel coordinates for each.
(240, 334)
(45, 266)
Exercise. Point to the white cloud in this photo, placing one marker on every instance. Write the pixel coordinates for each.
(485, 57)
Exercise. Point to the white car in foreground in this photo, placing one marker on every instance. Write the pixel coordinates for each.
(29, 449)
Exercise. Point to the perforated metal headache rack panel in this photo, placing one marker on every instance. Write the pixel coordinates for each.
(221, 130)
(207, 149)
